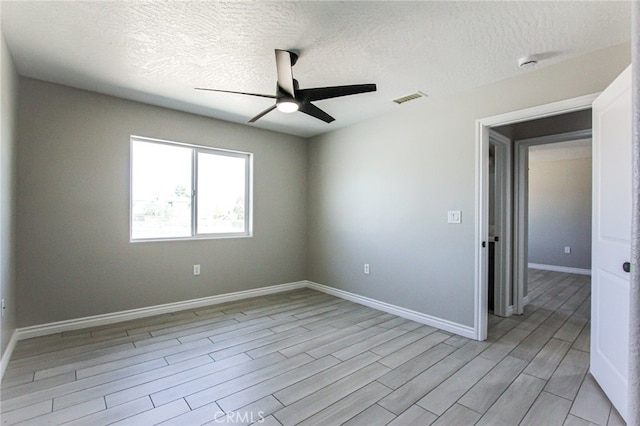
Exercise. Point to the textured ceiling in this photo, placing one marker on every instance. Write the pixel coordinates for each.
(157, 52)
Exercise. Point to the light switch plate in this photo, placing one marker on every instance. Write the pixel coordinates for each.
(454, 216)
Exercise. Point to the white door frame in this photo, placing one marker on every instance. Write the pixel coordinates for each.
(482, 192)
(502, 217)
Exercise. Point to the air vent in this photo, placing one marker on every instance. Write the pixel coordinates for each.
(410, 97)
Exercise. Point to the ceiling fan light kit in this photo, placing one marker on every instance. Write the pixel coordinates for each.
(287, 105)
(290, 98)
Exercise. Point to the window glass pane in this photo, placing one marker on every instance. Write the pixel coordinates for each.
(221, 194)
(160, 191)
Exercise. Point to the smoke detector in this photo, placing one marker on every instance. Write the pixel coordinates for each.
(527, 61)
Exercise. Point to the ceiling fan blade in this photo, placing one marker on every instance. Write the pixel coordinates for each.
(320, 93)
(237, 93)
(314, 111)
(262, 114)
(284, 62)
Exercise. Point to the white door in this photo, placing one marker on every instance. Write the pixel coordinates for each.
(611, 239)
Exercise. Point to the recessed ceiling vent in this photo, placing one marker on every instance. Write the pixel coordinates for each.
(410, 97)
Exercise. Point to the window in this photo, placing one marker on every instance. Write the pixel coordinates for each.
(182, 191)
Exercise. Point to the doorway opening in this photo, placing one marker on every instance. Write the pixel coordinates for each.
(560, 137)
(502, 219)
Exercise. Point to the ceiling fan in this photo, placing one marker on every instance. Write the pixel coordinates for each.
(290, 98)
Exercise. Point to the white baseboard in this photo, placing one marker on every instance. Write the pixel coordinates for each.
(511, 310)
(111, 318)
(105, 319)
(442, 324)
(567, 269)
(6, 356)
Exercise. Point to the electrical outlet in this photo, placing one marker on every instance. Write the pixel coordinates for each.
(567, 250)
(366, 269)
(196, 269)
(3, 306)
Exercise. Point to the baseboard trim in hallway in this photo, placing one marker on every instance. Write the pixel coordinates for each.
(556, 268)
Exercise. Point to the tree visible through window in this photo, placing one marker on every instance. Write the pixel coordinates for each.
(181, 191)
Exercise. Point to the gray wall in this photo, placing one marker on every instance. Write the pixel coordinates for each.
(74, 258)
(560, 212)
(380, 190)
(8, 140)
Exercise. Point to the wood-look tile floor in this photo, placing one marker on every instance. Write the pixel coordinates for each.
(308, 358)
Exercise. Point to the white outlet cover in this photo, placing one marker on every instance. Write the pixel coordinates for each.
(454, 216)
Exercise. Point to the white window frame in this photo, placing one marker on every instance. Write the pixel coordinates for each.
(195, 149)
